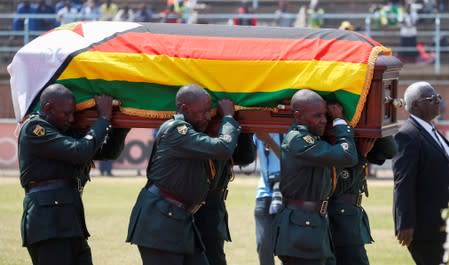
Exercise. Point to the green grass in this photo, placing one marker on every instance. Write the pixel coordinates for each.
(108, 203)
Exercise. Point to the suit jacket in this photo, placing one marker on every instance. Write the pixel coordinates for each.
(421, 182)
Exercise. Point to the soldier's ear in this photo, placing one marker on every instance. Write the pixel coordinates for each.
(297, 115)
(46, 107)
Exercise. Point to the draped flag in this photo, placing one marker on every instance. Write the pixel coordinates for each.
(143, 65)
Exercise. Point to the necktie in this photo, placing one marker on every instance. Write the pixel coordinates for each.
(439, 142)
(438, 139)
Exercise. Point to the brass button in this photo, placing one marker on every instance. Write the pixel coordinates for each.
(342, 210)
(56, 202)
(170, 213)
(307, 223)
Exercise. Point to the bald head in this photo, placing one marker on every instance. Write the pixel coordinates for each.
(303, 97)
(55, 92)
(189, 94)
(309, 109)
(58, 106)
(194, 102)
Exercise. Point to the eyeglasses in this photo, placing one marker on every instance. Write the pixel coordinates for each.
(434, 99)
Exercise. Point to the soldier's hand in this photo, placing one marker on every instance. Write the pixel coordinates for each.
(334, 111)
(104, 106)
(225, 107)
(405, 236)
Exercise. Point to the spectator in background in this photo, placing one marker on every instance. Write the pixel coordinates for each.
(105, 167)
(42, 24)
(242, 19)
(67, 14)
(124, 14)
(268, 152)
(346, 25)
(108, 10)
(282, 18)
(301, 17)
(143, 14)
(170, 15)
(391, 14)
(408, 34)
(315, 15)
(22, 8)
(90, 10)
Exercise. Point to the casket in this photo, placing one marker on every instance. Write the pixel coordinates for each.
(259, 68)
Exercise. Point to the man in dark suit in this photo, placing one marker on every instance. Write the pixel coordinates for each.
(54, 162)
(421, 177)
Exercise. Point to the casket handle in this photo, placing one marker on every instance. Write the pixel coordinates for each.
(396, 102)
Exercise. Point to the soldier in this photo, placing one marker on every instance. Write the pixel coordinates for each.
(179, 173)
(54, 163)
(348, 220)
(212, 218)
(302, 227)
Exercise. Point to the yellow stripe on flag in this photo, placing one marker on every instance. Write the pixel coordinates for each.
(219, 75)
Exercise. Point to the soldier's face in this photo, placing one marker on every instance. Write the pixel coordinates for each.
(61, 113)
(198, 113)
(313, 115)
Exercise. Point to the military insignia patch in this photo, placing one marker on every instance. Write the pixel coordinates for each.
(182, 129)
(39, 130)
(226, 137)
(344, 174)
(345, 146)
(309, 139)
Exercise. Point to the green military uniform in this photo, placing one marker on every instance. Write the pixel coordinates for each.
(302, 232)
(212, 218)
(179, 179)
(53, 168)
(348, 220)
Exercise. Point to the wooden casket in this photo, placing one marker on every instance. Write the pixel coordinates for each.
(259, 68)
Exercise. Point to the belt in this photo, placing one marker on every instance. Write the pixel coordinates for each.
(350, 198)
(46, 184)
(311, 206)
(173, 200)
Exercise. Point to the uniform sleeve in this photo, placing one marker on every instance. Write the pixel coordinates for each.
(245, 153)
(115, 142)
(47, 141)
(383, 149)
(405, 168)
(188, 143)
(315, 152)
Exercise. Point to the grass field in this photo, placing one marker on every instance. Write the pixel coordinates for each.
(108, 203)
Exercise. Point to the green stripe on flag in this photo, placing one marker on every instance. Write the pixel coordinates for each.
(156, 97)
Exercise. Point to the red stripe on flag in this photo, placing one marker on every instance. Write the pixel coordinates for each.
(222, 48)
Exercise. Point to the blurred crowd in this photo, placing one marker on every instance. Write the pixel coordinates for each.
(401, 15)
(68, 11)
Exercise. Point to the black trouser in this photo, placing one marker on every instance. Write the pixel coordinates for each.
(349, 255)
(67, 251)
(298, 261)
(152, 256)
(214, 251)
(427, 252)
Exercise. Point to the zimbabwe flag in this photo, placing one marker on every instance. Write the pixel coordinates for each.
(143, 65)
